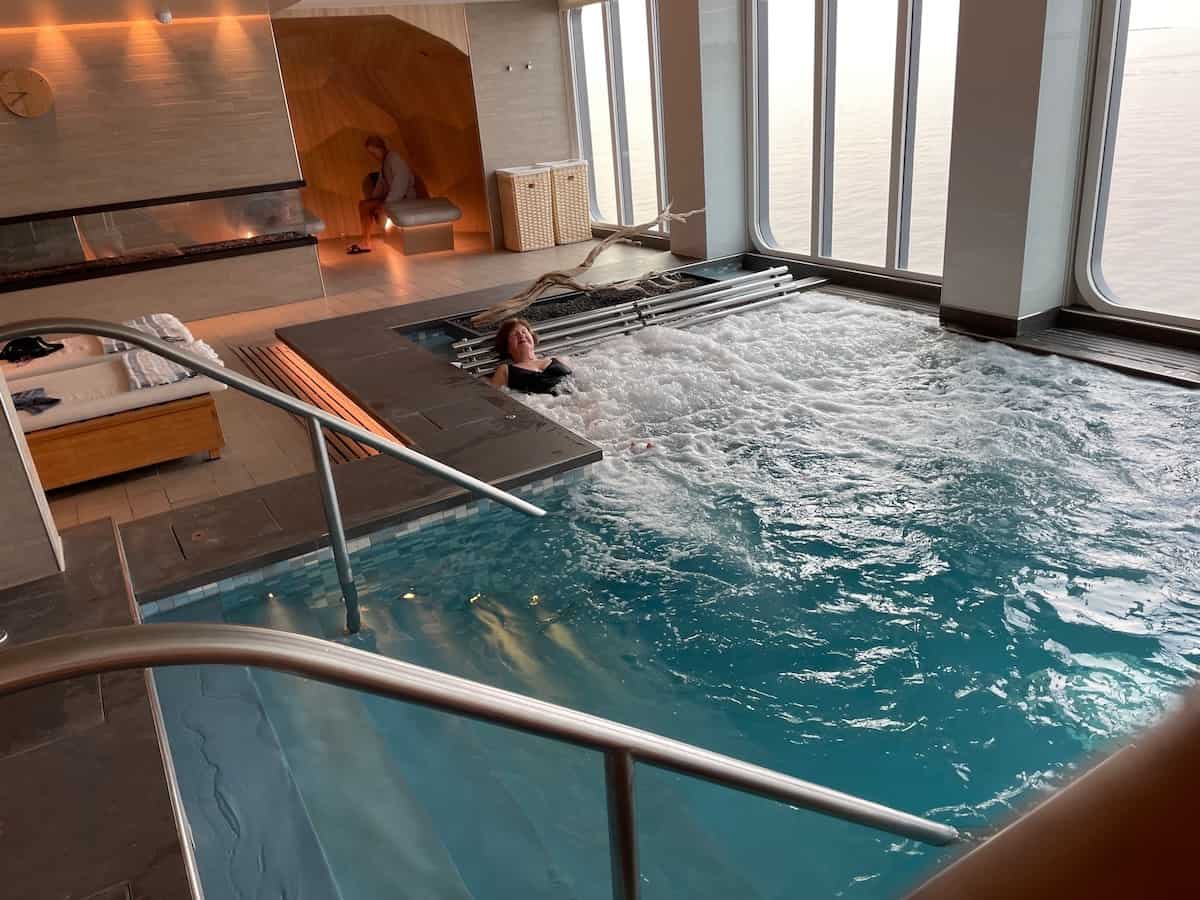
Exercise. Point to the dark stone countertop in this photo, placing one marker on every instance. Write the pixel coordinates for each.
(85, 809)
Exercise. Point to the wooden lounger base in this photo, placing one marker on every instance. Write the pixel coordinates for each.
(81, 451)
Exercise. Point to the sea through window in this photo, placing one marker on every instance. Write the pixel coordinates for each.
(853, 104)
(615, 79)
(1140, 253)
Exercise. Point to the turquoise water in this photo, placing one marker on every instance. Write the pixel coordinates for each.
(933, 572)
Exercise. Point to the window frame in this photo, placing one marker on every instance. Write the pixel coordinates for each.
(576, 71)
(1108, 78)
(904, 108)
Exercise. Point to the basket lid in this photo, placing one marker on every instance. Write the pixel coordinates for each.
(564, 164)
(523, 171)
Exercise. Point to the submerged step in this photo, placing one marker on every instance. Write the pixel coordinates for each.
(377, 836)
(544, 800)
(251, 833)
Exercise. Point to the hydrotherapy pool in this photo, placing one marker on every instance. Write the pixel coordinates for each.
(932, 572)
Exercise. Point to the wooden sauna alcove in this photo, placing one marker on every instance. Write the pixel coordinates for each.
(348, 77)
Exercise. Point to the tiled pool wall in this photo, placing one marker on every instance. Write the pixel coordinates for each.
(390, 534)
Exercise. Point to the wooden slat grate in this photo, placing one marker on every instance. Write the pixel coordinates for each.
(281, 368)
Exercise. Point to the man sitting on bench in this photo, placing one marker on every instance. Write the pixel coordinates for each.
(395, 182)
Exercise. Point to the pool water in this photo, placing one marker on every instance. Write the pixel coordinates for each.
(827, 537)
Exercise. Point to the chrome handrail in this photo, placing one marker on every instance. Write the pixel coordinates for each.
(136, 646)
(315, 417)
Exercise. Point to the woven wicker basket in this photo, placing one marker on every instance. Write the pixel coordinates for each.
(572, 213)
(526, 207)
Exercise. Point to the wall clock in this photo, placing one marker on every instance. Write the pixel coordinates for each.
(26, 93)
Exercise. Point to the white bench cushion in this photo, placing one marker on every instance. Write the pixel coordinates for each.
(101, 389)
(434, 211)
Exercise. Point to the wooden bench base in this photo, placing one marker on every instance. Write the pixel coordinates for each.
(81, 451)
(425, 238)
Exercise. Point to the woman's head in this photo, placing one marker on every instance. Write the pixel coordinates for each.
(376, 146)
(515, 339)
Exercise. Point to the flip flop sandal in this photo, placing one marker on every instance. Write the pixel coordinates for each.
(354, 250)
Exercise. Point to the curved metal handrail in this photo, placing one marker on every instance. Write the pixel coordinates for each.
(136, 646)
(257, 389)
(315, 417)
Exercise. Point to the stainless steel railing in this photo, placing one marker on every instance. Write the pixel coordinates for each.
(315, 417)
(681, 309)
(136, 646)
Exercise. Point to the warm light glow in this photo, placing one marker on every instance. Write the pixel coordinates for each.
(52, 44)
(82, 26)
(145, 39)
(232, 39)
(248, 234)
(390, 226)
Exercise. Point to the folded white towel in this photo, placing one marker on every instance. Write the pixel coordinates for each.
(147, 370)
(160, 325)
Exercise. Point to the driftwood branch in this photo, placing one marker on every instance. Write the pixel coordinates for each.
(568, 278)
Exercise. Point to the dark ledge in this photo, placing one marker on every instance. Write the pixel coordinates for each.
(85, 808)
(162, 259)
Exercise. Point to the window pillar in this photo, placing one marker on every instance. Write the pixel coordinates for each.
(703, 85)
(1016, 152)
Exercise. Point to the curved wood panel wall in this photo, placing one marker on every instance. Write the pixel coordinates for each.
(348, 77)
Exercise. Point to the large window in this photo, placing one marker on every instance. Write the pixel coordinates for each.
(854, 100)
(614, 63)
(1143, 253)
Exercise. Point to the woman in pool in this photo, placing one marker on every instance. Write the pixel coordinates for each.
(522, 369)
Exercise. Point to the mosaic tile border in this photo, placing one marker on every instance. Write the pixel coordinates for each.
(384, 535)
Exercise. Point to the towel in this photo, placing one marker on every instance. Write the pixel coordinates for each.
(147, 370)
(160, 325)
(34, 401)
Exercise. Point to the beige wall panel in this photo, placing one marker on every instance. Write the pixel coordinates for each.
(143, 111)
(62, 12)
(30, 547)
(349, 77)
(194, 291)
(448, 22)
(523, 115)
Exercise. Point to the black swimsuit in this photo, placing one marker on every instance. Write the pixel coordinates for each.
(551, 380)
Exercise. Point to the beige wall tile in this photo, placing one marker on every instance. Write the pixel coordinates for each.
(142, 111)
(523, 113)
(29, 543)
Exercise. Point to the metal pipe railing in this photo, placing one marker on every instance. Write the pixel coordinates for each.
(712, 287)
(664, 310)
(632, 316)
(314, 417)
(136, 646)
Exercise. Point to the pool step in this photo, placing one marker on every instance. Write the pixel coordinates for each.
(555, 792)
(378, 838)
(229, 764)
(458, 765)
